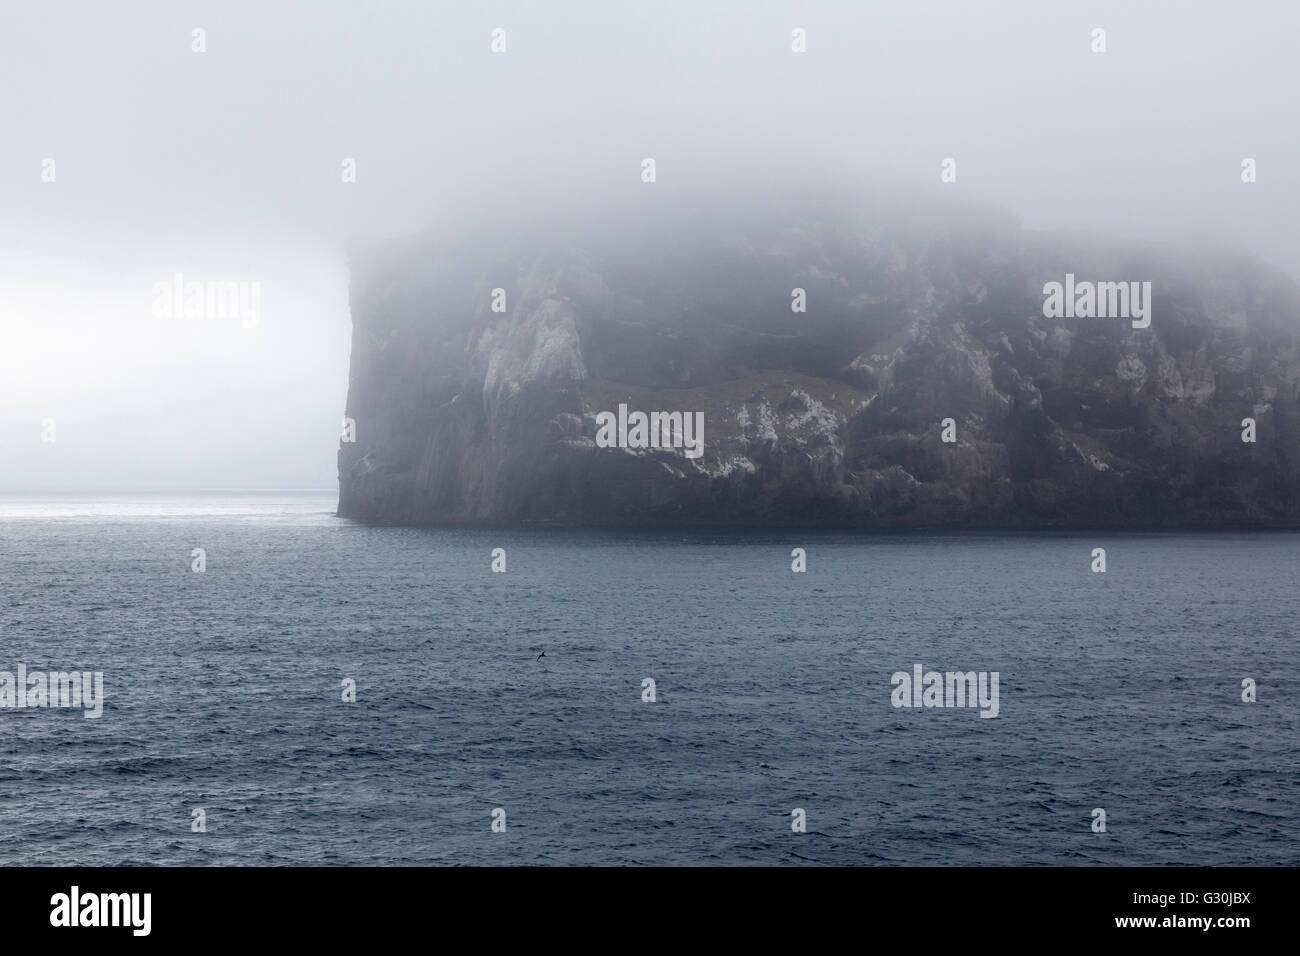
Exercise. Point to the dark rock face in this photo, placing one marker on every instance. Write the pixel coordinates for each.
(829, 417)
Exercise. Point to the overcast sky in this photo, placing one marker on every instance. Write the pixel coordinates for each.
(227, 165)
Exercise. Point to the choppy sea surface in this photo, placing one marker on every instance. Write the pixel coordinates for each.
(1120, 691)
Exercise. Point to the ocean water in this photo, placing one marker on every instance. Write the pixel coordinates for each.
(223, 692)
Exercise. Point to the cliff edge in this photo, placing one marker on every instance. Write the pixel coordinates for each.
(924, 384)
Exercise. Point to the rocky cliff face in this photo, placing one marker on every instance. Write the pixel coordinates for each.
(831, 416)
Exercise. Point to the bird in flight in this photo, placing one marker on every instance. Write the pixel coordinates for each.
(541, 655)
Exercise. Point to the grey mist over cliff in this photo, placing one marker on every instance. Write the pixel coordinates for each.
(870, 363)
(226, 165)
